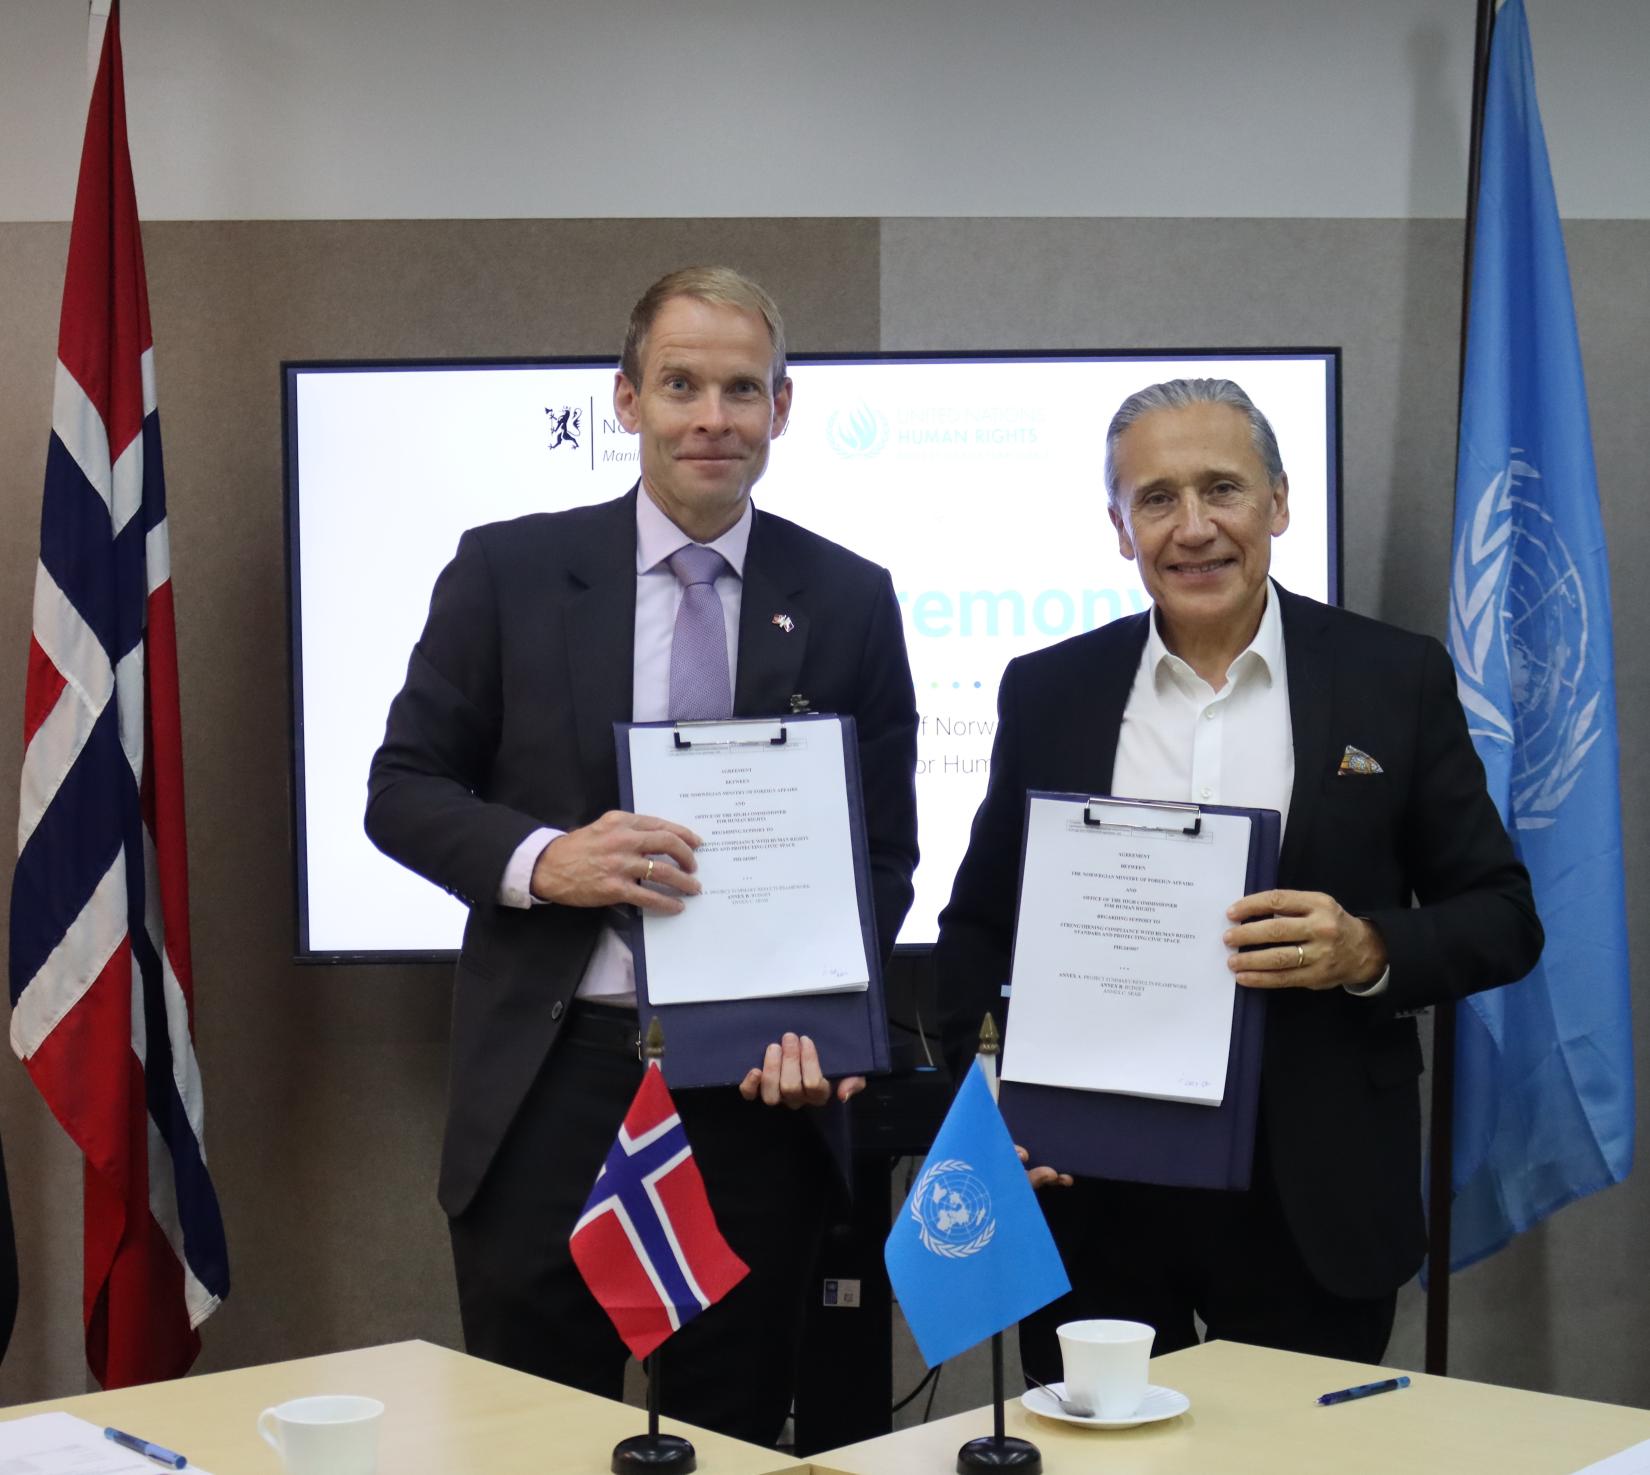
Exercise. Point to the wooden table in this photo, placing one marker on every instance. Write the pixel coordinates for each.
(444, 1414)
(1253, 1413)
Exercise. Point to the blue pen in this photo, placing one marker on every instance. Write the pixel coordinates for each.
(169, 1457)
(1364, 1390)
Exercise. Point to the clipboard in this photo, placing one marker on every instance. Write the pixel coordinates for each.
(1138, 1139)
(717, 1043)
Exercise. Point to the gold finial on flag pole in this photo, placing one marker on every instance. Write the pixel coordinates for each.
(655, 1046)
(990, 1048)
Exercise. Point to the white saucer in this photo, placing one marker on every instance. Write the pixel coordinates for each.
(1159, 1403)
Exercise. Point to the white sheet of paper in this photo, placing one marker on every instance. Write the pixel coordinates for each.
(60, 1444)
(1120, 978)
(1634, 1460)
(779, 913)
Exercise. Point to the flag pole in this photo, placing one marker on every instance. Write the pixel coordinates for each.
(650, 1367)
(996, 1451)
(1440, 1187)
(998, 1433)
(97, 22)
(653, 1450)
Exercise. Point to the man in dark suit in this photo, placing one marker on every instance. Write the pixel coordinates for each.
(1397, 888)
(498, 779)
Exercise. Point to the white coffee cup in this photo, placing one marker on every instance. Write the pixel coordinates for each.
(334, 1434)
(1105, 1364)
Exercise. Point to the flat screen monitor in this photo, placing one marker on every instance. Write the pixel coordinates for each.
(975, 478)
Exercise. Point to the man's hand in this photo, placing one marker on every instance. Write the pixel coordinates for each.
(1305, 940)
(607, 862)
(1041, 1177)
(790, 1076)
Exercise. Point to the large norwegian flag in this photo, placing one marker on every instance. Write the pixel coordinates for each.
(102, 1006)
(647, 1244)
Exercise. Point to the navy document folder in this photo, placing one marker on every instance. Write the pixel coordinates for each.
(717, 1043)
(1143, 1139)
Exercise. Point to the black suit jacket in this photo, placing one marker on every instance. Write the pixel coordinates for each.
(505, 724)
(1340, 1107)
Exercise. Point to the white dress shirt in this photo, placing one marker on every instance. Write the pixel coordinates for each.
(611, 974)
(1182, 739)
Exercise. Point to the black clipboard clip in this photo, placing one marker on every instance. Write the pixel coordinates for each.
(685, 744)
(1194, 829)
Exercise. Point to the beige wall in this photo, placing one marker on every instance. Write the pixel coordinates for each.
(324, 1086)
(505, 109)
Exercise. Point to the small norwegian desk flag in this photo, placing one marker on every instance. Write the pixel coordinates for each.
(647, 1244)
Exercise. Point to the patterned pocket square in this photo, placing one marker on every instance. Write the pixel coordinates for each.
(1355, 760)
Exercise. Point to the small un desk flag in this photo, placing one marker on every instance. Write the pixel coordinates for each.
(971, 1253)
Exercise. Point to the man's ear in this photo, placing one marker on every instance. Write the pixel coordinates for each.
(781, 407)
(625, 402)
(1280, 506)
(1125, 544)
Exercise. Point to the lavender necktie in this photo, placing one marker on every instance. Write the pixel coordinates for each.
(699, 686)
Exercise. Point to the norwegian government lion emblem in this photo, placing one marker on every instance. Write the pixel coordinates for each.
(953, 1210)
(1517, 604)
(564, 426)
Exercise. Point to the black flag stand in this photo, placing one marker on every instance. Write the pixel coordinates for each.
(996, 1450)
(653, 1450)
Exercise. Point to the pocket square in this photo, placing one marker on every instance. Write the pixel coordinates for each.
(1355, 760)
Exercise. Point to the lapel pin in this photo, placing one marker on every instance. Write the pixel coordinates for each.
(785, 623)
(799, 704)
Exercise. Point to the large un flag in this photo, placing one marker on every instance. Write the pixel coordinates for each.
(1544, 1068)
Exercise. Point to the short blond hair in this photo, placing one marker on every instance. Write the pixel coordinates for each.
(721, 285)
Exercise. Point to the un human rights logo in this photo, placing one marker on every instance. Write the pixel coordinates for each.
(953, 1210)
(856, 431)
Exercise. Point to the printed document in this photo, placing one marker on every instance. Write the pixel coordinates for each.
(1120, 978)
(1634, 1460)
(60, 1444)
(779, 913)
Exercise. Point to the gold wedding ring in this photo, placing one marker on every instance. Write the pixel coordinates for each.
(647, 875)
(1300, 956)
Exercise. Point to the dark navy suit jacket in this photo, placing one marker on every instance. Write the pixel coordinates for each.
(505, 724)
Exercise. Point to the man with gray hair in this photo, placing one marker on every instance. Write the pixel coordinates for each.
(498, 780)
(1397, 888)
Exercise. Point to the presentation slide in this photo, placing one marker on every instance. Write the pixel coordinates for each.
(977, 480)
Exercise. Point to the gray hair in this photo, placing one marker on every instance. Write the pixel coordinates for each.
(1180, 394)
